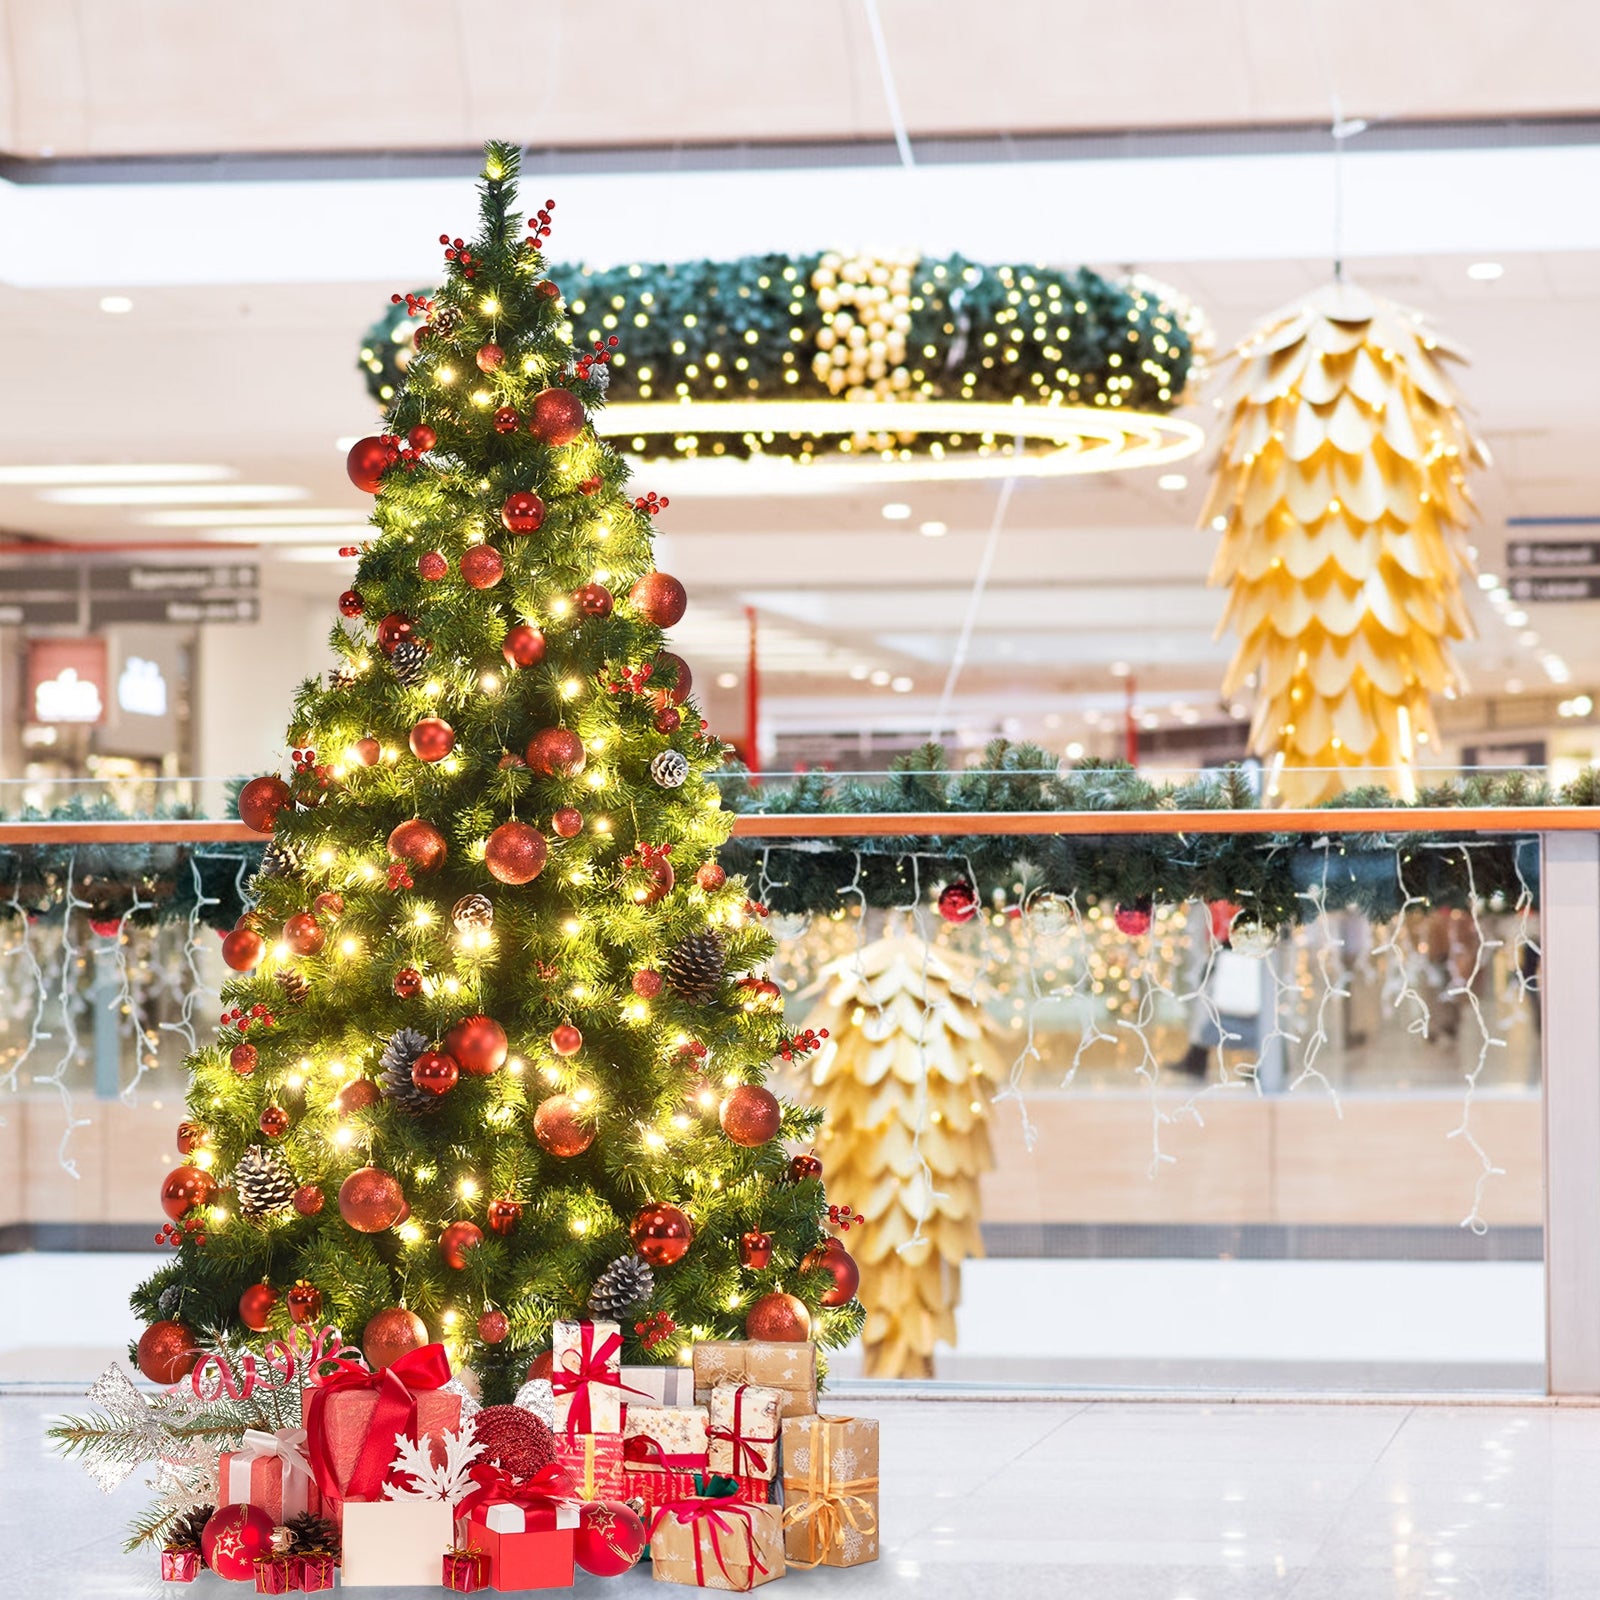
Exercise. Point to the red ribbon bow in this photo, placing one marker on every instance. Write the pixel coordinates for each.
(593, 1368)
(746, 1458)
(548, 1488)
(398, 1385)
(705, 1513)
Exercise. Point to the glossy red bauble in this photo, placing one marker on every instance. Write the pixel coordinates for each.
(523, 646)
(493, 1327)
(167, 1352)
(804, 1166)
(565, 1039)
(506, 419)
(351, 604)
(1134, 920)
(478, 1044)
(370, 1200)
(760, 994)
(242, 1058)
(357, 1095)
(303, 934)
(669, 665)
(710, 877)
(522, 512)
(365, 463)
(562, 1127)
(659, 599)
(190, 1137)
(482, 567)
(755, 1251)
(490, 358)
(750, 1115)
(667, 720)
(611, 1538)
(432, 566)
(367, 751)
(515, 853)
(432, 739)
(391, 1334)
(661, 1234)
(567, 822)
(420, 844)
(456, 1240)
(407, 983)
(659, 879)
(255, 1306)
(958, 902)
(780, 1318)
(504, 1214)
(395, 630)
(834, 1258)
(557, 417)
(647, 983)
(329, 904)
(184, 1188)
(308, 1200)
(556, 753)
(260, 801)
(273, 1121)
(305, 1302)
(235, 1539)
(243, 949)
(422, 437)
(434, 1072)
(593, 600)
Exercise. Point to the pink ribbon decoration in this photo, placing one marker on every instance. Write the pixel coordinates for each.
(302, 1357)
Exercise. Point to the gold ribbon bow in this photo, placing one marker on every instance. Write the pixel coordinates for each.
(830, 1505)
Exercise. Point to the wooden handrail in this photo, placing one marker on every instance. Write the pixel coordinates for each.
(914, 824)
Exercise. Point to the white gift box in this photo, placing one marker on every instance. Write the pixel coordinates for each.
(662, 1386)
(396, 1542)
(506, 1518)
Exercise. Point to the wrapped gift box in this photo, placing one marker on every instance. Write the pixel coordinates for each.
(677, 1432)
(586, 1374)
(753, 1491)
(655, 1488)
(658, 1386)
(466, 1571)
(275, 1575)
(789, 1367)
(181, 1566)
(830, 1490)
(743, 1433)
(270, 1471)
(717, 1544)
(395, 1542)
(595, 1462)
(313, 1572)
(522, 1549)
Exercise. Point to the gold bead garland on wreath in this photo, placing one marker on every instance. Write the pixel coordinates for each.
(865, 303)
(1340, 493)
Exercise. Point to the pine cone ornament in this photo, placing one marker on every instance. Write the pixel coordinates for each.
(626, 1283)
(695, 967)
(341, 677)
(263, 1182)
(670, 768)
(410, 660)
(394, 1074)
(279, 860)
(313, 1535)
(472, 913)
(184, 1533)
(294, 985)
(444, 321)
(171, 1299)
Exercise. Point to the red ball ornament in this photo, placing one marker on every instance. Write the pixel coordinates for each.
(804, 1166)
(668, 720)
(432, 566)
(303, 934)
(710, 877)
(422, 438)
(522, 512)
(273, 1121)
(662, 1234)
(184, 1188)
(750, 1115)
(506, 420)
(523, 646)
(243, 949)
(432, 739)
(190, 1137)
(541, 1366)
(260, 801)
(561, 1127)
(490, 358)
(368, 752)
(407, 983)
(235, 1539)
(668, 664)
(517, 1441)
(478, 1044)
(308, 1200)
(557, 417)
(565, 1039)
(329, 904)
(567, 822)
(493, 1327)
(391, 1334)
(593, 600)
(370, 1200)
(456, 1240)
(434, 1072)
(255, 1306)
(420, 844)
(834, 1258)
(760, 994)
(780, 1318)
(659, 599)
(482, 567)
(658, 883)
(556, 753)
(647, 983)
(1133, 920)
(357, 1095)
(755, 1251)
(166, 1352)
(515, 853)
(305, 1301)
(242, 1058)
(611, 1538)
(958, 902)
(395, 630)
(351, 604)
(366, 462)
(504, 1215)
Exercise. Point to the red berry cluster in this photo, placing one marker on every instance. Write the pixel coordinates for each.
(417, 305)
(349, 549)
(540, 224)
(242, 1020)
(631, 680)
(304, 760)
(647, 855)
(546, 972)
(651, 503)
(843, 1218)
(754, 908)
(689, 1054)
(591, 485)
(802, 1043)
(654, 1328)
(598, 357)
(455, 250)
(400, 877)
(194, 1229)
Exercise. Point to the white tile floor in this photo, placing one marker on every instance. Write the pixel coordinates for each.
(1105, 1501)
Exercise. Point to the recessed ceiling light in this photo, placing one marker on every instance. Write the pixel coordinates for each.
(1189, 717)
(1516, 619)
(1172, 480)
(1054, 720)
(109, 472)
(242, 516)
(896, 511)
(116, 304)
(1513, 685)
(175, 494)
(902, 685)
(1485, 271)
(1120, 669)
(1500, 597)
(933, 530)
(1150, 719)
(727, 680)
(880, 677)
(1219, 524)
(1530, 638)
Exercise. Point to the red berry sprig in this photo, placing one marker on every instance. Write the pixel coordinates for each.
(600, 356)
(399, 877)
(242, 1020)
(802, 1043)
(304, 760)
(654, 1328)
(651, 504)
(591, 485)
(539, 224)
(754, 908)
(417, 305)
(349, 549)
(691, 1053)
(843, 1218)
(194, 1230)
(647, 855)
(455, 250)
(631, 680)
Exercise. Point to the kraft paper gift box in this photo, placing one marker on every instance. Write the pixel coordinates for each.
(269, 1471)
(790, 1367)
(595, 1462)
(520, 1556)
(830, 1491)
(677, 1433)
(586, 1374)
(394, 1542)
(716, 1544)
(743, 1431)
(657, 1386)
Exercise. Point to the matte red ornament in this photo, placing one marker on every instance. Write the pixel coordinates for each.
(273, 1121)
(565, 1039)
(308, 1200)
(394, 630)
(541, 1366)
(834, 1258)
(422, 437)
(658, 885)
(523, 646)
(243, 949)
(504, 1215)
(593, 600)
(432, 739)
(611, 1538)
(661, 1234)
(370, 1200)
(668, 663)
(561, 1126)
(242, 1058)
(659, 599)
(506, 419)
(407, 983)
(235, 1539)
(804, 1166)
(420, 844)
(432, 566)
(329, 904)
(368, 752)
(493, 1327)
(780, 1318)
(556, 753)
(750, 1115)
(366, 462)
(1133, 920)
(478, 1044)
(435, 1072)
(357, 1095)
(391, 1334)
(647, 983)
(305, 1301)
(490, 358)
(190, 1137)
(184, 1188)
(567, 822)
(166, 1352)
(482, 567)
(522, 512)
(958, 902)
(557, 417)
(303, 934)
(260, 801)
(456, 1240)
(351, 604)
(255, 1306)
(755, 1251)
(710, 876)
(515, 853)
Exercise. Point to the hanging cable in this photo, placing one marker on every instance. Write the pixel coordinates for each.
(902, 140)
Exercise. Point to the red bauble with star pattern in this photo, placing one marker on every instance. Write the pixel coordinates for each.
(235, 1539)
(611, 1538)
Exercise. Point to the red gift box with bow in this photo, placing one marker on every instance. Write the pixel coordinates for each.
(526, 1531)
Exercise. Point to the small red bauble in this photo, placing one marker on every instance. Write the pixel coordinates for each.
(273, 1121)
(329, 904)
(190, 1137)
(260, 801)
(593, 600)
(557, 417)
(541, 1366)
(365, 463)
(506, 420)
(668, 664)
(357, 1095)
(647, 983)
(510, 761)
(658, 886)
(166, 1352)
(235, 1539)
(422, 437)
(556, 753)
(515, 853)
(561, 1126)
(504, 1215)
(661, 1234)
(368, 752)
(351, 604)
(780, 1318)
(958, 902)
(490, 358)
(432, 566)
(760, 994)
(184, 1188)
(420, 844)
(370, 1200)
(456, 1240)
(804, 1166)
(668, 719)
(432, 739)
(308, 1200)
(243, 949)
(303, 934)
(611, 1538)
(478, 1044)
(750, 1115)
(659, 599)
(565, 1039)
(482, 567)
(305, 1301)
(242, 1058)
(1133, 920)
(395, 630)
(523, 647)
(567, 822)
(710, 877)
(391, 1334)
(522, 512)
(755, 1251)
(493, 1327)
(408, 983)
(434, 1072)
(833, 1257)
(255, 1306)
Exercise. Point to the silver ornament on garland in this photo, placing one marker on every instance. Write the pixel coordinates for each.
(263, 1182)
(1048, 915)
(670, 768)
(626, 1283)
(695, 966)
(394, 1074)
(472, 913)
(788, 925)
(1249, 936)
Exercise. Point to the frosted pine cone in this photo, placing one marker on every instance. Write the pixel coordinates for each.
(626, 1283)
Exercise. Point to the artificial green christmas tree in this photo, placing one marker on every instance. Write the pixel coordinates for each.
(490, 1036)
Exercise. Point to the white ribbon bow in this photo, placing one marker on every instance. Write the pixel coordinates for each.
(288, 1445)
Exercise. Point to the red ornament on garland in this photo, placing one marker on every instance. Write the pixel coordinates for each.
(235, 1539)
(351, 604)
(190, 1137)
(834, 1258)
(780, 1318)
(303, 934)
(434, 1072)
(184, 1188)
(522, 512)
(667, 720)
(669, 665)
(432, 566)
(370, 1200)
(260, 801)
(242, 1058)
(432, 739)
(493, 1326)
(305, 1301)
(541, 1366)
(556, 753)
(567, 822)
(395, 630)
(751, 1115)
(1133, 920)
(407, 983)
(368, 752)
(420, 844)
(515, 853)
(647, 983)
(357, 1095)
(565, 1039)
(557, 417)
(422, 438)
(611, 1538)
(659, 599)
(456, 1240)
(710, 877)
(506, 419)
(255, 1306)
(504, 1215)
(760, 994)
(243, 949)
(755, 1251)
(490, 358)
(391, 1334)
(658, 885)
(478, 1044)
(958, 902)
(523, 646)
(482, 567)
(273, 1121)
(166, 1352)
(662, 1234)
(329, 904)
(308, 1200)
(562, 1127)
(365, 463)
(593, 600)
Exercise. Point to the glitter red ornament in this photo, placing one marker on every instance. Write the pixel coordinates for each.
(1133, 920)
(370, 1200)
(661, 1234)
(167, 1352)
(710, 876)
(958, 902)
(833, 1258)
(351, 604)
(273, 1121)
(242, 1058)
(493, 1327)
(523, 646)
(432, 739)
(260, 801)
(395, 630)
(565, 1039)
(419, 844)
(750, 1115)
(422, 438)
(647, 983)
(557, 417)
(668, 720)
(243, 949)
(184, 1188)
(490, 358)
(305, 1301)
(356, 1095)
(255, 1306)
(308, 1200)
(514, 1439)
(659, 599)
(522, 512)
(435, 1072)
(456, 1240)
(755, 1251)
(561, 1126)
(556, 753)
(482, 567)
(479, 1044)
(567, 822)
(515, 853)
(303, 934)
(390, 1334)
(407, 983)
(432, 566)
(593, 600)
(504, 1214)
(779, 1318)
(365, 463)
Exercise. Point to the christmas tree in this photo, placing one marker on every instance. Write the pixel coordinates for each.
(495, 1052)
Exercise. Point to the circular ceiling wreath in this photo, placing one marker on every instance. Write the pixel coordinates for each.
(1077, 370)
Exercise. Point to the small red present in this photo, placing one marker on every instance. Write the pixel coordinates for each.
(594, 1463)
(313, 1572)
(275, 1575)
(180, 1566)
(526, 1531)
(466, 1570)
